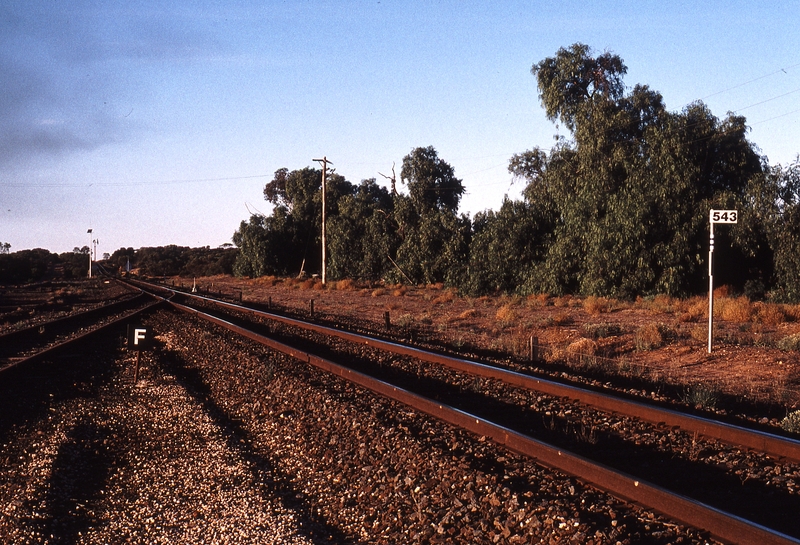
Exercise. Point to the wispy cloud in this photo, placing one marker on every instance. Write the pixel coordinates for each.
(59, 67)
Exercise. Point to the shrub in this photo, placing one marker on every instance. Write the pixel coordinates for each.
(562, 318)
(735, 310)
(700, 396)
(539, 300)
(600, 331)
(596, 305)
(507, 313)
(792, 422)
(769, 314)
(695, 309)
(648, 337)
(445, 297)
(792, 342)
(404, 320)
(582, 346)
(562, 301)
(344, 285)
(583, 350)
(792, 312)
(722, 291)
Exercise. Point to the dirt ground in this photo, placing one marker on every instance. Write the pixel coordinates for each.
(659, 340)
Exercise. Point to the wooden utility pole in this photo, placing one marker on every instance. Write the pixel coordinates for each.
(324, 162)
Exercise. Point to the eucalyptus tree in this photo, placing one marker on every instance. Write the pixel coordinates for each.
(433, 239)
(362, 234)
(289, 240)
(631, 188)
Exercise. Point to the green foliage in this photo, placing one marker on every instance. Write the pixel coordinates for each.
(633, 188)
(619, 207)
(506, 246)
(75, 264)
(290, 238)
(431, 182)
(792, 422)
(27, 266)
(175, 260)
(362, 234)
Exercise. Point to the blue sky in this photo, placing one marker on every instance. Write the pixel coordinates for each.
(159, 123)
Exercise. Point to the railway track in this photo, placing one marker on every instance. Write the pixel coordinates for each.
(24, 346)
(746, 479)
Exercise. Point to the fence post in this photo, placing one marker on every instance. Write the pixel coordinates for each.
(534, 348)
(386, 319)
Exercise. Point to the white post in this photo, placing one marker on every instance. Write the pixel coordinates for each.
(90, 252)
(715, 216)
(710, 286)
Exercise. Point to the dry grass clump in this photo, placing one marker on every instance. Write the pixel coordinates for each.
(583, 350)
(562, 318)
(768, 314)
(596, 305)
(562, 301)
(699, 333)
(507, 313)
(602, 330)
(736, 309)
(469, 313)
(445, 297)
(660, 303)
(538, 300)
(399, 291)
(378, 292)
(693, 309)
(343, 285)
(792, 313)
(648, 337)
(722, 292)
(437, 286)
(583, 346)
(268, 280)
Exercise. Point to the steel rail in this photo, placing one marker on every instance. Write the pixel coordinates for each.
(20, 363)
(722, 525)
(770, 444)
(14, 336)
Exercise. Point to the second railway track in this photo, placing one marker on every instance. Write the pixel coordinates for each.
(759, 488)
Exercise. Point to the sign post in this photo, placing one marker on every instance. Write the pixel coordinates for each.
(139, 338)
(715, 216)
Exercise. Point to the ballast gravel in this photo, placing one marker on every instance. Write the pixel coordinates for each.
(223, 441)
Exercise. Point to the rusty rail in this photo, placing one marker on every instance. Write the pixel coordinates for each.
(773, 445)
(724, 526)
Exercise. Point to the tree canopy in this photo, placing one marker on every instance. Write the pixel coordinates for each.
(618, 206)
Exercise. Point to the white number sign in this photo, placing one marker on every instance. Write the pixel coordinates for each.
(724, 216)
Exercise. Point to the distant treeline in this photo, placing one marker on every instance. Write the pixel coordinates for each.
(618, 207)
(38, 264)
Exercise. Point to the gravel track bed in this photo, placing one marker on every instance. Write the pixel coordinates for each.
(747, 483)
(223, 441)
(375, 472)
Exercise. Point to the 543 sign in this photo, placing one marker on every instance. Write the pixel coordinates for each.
(724, 216)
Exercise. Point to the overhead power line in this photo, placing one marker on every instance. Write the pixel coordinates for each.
(751, 81)
(139, 182)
